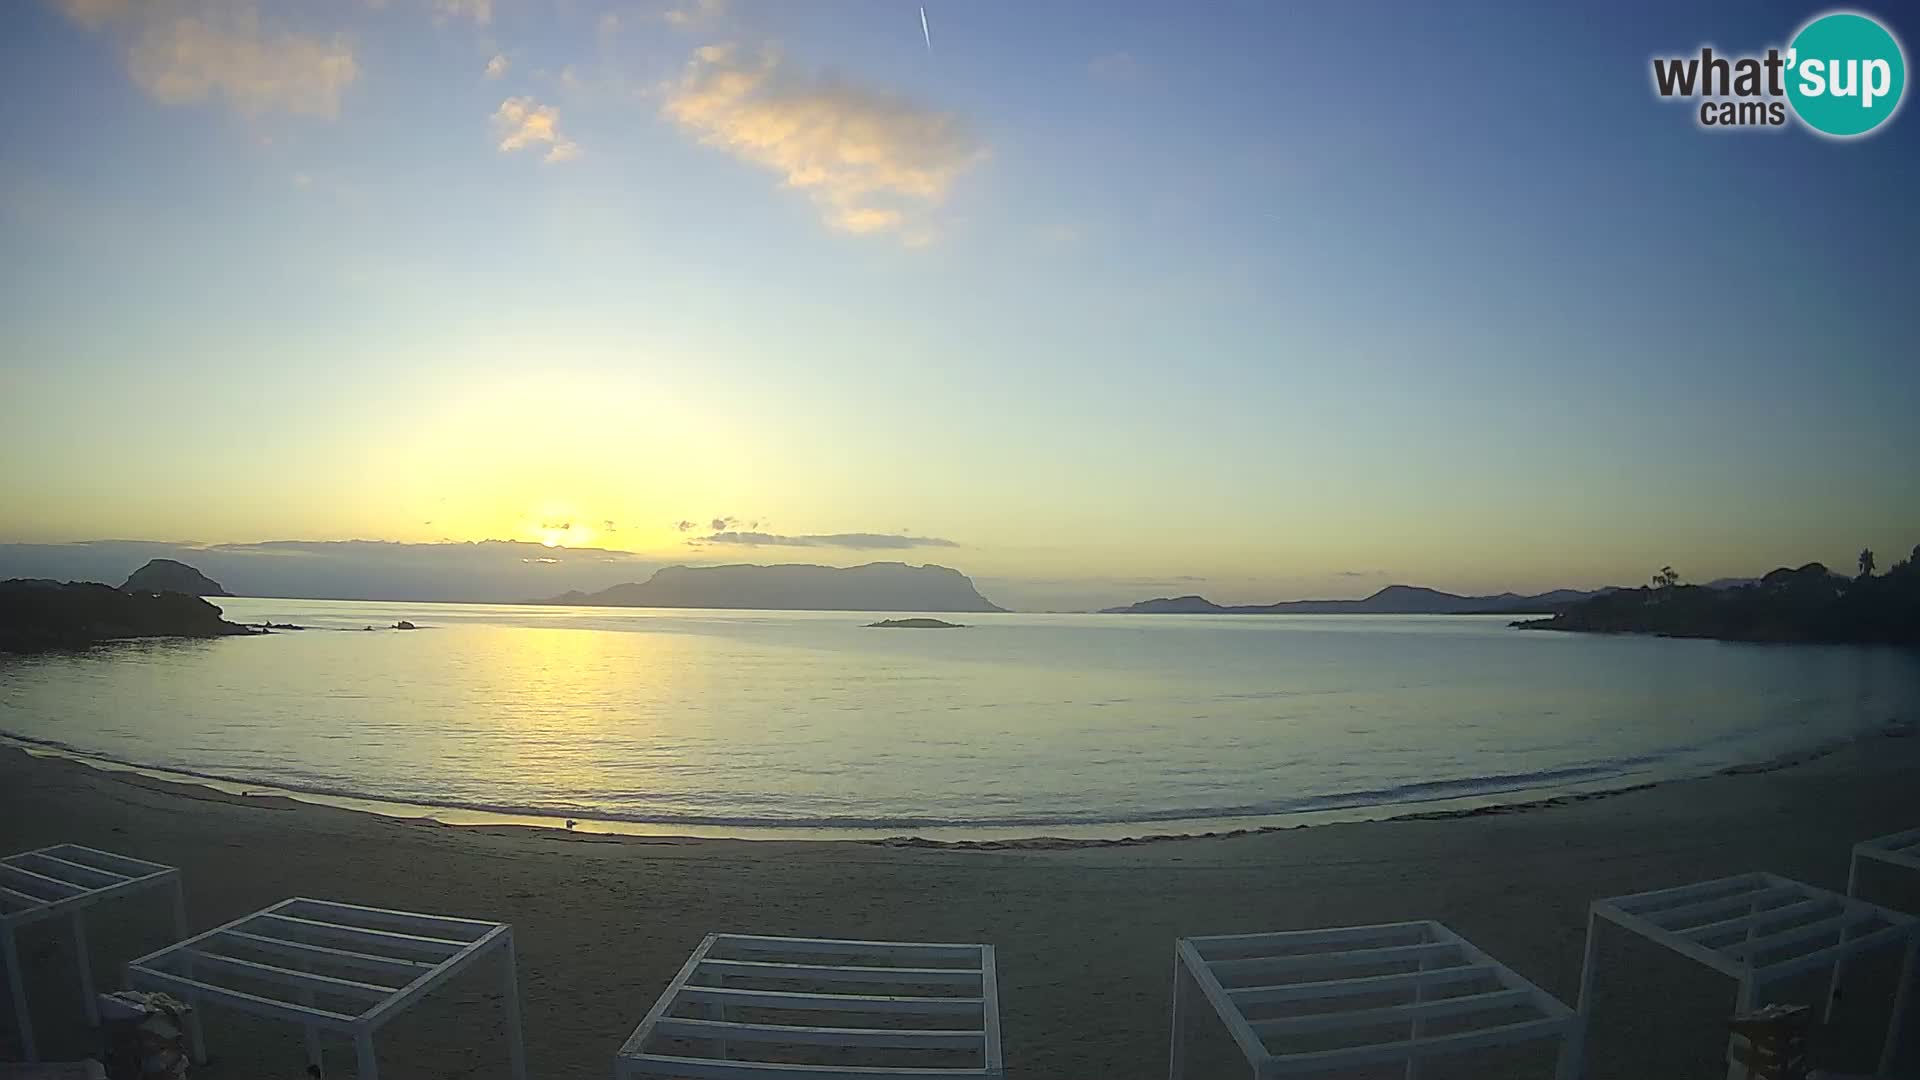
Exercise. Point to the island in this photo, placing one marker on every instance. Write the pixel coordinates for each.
(886, 586)
(1391, 600)
(38, 616)
(1801, 604)
(915, 624)
(167, 575)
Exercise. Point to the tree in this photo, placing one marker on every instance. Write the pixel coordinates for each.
(1667, 578)
(1866, 562)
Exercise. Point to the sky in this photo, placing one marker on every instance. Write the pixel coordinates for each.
(1256, 300)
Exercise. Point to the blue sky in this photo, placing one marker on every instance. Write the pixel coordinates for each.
(1288, 299)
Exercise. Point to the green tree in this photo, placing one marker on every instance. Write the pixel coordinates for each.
(1866, 562)
(1667, 578)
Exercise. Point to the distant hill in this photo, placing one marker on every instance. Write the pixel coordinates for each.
(38, 615)
(1392, 600)
(1808, 603)
(166, 575)
(795, 587)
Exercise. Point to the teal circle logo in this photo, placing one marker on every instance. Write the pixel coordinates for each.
(1845, 74)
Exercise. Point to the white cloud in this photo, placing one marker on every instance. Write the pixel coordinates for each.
(522, 122)
(695, 13)
(871, 161)
(480, 11)
(497, 66)
(183, 53)
(94, 14)
(1114, 65)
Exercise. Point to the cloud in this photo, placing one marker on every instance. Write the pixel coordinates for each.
(497, 66)
(1114, 65)
(685, 526)
(94, 14)
(871, 161)
(854, 541)
(687, 16)
(182, 54)
(480, 11)
(522, 122)
(722, 523)
(1363, 573)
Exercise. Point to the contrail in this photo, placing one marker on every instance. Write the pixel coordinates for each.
(924, 32)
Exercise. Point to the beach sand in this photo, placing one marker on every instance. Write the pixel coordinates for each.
(1084, 932)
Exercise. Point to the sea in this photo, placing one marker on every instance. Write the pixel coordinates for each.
(779, 724)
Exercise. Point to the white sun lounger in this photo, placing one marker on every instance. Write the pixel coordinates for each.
(893, 1008)
(1758, 929)
(1315, 1001)
(67, 879)
(329, 967)
(1901, 849)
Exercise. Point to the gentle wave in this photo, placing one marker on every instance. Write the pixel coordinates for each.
(1388, 797)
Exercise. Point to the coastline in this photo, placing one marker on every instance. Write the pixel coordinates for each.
(1084, 931)
(1015, 835)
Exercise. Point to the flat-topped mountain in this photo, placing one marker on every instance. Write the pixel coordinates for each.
(886, 586)
(1392, 600)
(166, 575)
(40, 615)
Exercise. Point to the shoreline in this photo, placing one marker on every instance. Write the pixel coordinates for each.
(957, 837)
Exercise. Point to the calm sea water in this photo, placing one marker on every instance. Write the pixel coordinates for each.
(1020, 723)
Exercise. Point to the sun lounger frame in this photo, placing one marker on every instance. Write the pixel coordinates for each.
(1900, 849)
(66, 880)
(1439, 957)
(380, 960)
(1755, 914)
(819, 965)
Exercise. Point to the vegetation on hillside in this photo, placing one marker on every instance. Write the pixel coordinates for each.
(1807, 603)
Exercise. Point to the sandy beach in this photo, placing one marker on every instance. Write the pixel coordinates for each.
(1084, 932)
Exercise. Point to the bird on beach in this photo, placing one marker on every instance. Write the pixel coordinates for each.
(570, 824)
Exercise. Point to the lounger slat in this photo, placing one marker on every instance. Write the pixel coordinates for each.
(78, 873)
(1657, 899)
(272, 973)
(902, 1038)
(441, 947)
(1768, 917)
(20, 899)
(1371, 984)
(856, 1003)
(404, 922)
(318, 953)
(1679, 918)
(762, 969)
(803, 946)
(47, 888)
(1390, 954)
(1433, 1046)
(688, 1068)
(1810, 932)
(1464, 1005)
(1218, 946)
(107, 860)
(238, 999)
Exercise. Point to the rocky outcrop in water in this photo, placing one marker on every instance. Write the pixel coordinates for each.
(36, 616)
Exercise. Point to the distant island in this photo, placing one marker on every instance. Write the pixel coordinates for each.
(38, 615)
(888, 586)
(915, 624)
(1804, 604)
(166, 575)
(1392, 600)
